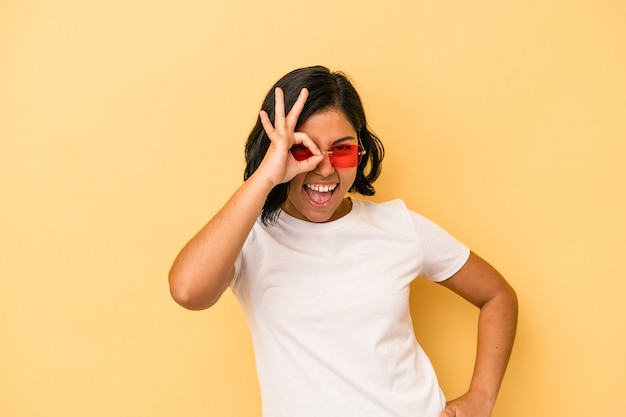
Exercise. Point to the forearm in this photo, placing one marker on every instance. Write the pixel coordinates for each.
(496, 332)
(204, 267)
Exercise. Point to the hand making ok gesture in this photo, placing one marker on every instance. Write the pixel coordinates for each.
(279, 165)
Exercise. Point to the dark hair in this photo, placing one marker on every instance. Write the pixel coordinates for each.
(327, 90)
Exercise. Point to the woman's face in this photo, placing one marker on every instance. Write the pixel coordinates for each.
(319, 195)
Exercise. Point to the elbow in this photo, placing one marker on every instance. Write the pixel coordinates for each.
(504, 301)
(511, 295)
(189, 297)
(509, 303)
(189, 301)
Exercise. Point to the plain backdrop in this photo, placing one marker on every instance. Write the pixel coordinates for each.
(122, 126)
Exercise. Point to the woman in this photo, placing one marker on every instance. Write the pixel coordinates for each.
(323, 278)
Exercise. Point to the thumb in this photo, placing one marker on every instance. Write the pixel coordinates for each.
(309, 164)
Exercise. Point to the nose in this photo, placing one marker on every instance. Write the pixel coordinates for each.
(325, 168)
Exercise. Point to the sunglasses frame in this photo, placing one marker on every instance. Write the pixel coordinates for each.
(360, 152)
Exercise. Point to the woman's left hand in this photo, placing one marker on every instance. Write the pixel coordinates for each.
(468, 405)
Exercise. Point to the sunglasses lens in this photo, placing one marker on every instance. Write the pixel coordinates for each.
(344, 156)
(340, 156)
(301, 152)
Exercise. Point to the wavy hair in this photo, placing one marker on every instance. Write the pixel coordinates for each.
(327, 90)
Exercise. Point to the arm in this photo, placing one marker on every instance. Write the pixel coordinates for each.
(479, 283)
(204, 268)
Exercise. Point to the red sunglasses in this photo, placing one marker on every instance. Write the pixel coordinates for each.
(340, 156)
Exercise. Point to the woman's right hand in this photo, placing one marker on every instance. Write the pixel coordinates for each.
(279, 165)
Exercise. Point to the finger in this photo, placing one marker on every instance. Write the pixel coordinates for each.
(294, 113)
(309, 164)
(279, 108)
(313, 161)
(302, 138)
(448, 412)
(267, 123)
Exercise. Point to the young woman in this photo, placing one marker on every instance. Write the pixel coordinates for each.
(323, 277)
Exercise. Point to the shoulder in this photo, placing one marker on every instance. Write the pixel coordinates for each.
(394, 214)
(396, 208)
(392, 211)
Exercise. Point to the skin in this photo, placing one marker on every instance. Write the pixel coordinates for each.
(204, 268)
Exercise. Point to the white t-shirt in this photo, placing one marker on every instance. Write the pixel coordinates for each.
(328, 309)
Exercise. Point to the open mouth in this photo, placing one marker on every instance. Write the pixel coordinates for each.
(320, 194)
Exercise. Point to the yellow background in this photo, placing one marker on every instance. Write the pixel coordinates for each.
(122, 126)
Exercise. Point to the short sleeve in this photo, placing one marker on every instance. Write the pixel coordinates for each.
(443, 255)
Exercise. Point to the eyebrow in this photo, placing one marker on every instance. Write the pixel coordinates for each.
(345, 138)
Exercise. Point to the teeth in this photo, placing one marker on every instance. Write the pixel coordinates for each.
(321, 188)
